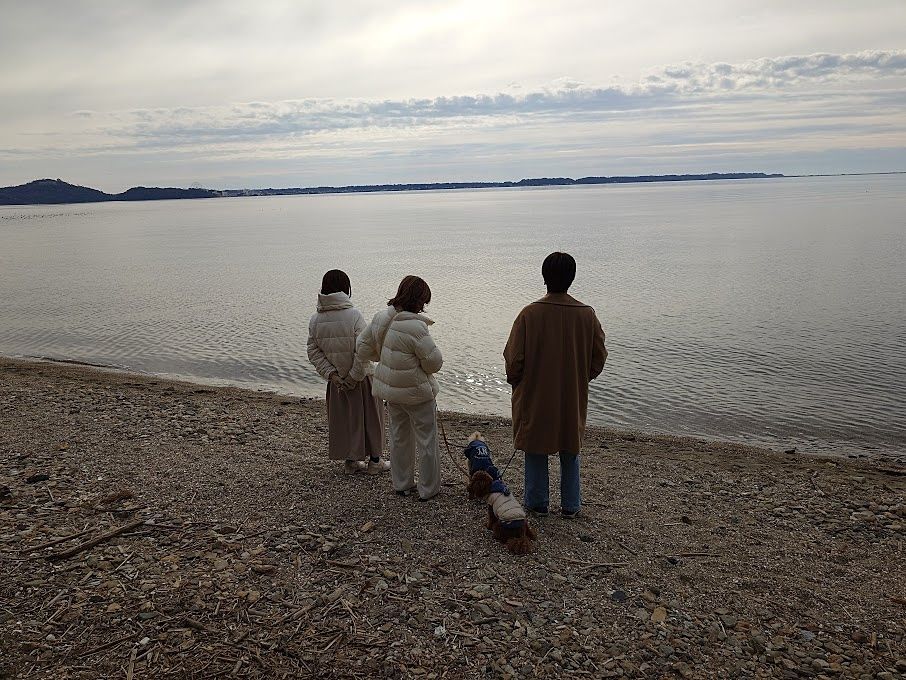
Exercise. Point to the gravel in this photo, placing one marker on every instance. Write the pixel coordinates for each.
(151, 528)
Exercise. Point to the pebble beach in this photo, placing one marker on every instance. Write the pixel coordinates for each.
(152, 529)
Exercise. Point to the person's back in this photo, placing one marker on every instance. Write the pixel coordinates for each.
(407, 357)
(551, 370)
(555, 348)
(398, 339)
(355, 419)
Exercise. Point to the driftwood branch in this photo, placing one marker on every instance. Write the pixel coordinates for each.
(65, 554)
(592, 565)
(626, 548)
(57, 541)
(108, 645)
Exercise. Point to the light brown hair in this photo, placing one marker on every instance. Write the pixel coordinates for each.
(412, 295)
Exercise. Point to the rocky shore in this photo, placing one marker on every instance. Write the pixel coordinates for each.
(159, 529)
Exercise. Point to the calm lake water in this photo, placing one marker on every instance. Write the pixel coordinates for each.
(768, 312)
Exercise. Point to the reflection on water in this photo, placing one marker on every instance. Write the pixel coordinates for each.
(768, 312)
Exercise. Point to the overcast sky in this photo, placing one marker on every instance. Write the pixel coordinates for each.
(230, 94)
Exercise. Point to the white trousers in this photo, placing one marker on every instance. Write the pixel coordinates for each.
(414, 427)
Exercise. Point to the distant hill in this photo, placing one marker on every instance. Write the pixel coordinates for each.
(158, 194)
(48, 191)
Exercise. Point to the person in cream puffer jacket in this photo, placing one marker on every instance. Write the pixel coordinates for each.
(398, 339)
(354, 415)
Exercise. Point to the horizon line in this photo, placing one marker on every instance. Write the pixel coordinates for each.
(526, 182)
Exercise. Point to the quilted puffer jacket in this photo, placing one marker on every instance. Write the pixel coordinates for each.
(407, 357)
(332, 333)
(507, 509)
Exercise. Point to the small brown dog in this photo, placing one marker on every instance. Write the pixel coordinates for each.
(506, 516)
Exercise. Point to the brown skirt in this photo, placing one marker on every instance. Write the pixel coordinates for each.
(355, 422)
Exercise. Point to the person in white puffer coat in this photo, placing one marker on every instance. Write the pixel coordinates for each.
(398, 339)
(355, 417)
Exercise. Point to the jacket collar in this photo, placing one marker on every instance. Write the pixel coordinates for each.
(338, 300)
(562, 299)
(403, 316)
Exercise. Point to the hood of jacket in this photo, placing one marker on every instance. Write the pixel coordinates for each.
(403, 316)
(331, 301)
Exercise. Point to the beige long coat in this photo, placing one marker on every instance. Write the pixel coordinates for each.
(556, 347)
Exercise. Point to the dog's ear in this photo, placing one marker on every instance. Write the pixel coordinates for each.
(530, 532)
(480, 484)
(470, 486)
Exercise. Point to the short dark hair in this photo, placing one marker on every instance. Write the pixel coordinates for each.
(336, 281)
(412, 295)
(559, 271)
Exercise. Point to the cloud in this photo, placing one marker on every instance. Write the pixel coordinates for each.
(779, 72)
(670, 88)
(688, 116)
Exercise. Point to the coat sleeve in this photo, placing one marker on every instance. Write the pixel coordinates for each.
(316, 355)
(428, 355)
(359, 360)
(514, 352)
(359, 324)
(365, 350)
(598, 352)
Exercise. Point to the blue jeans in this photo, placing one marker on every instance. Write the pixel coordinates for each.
(537, 484)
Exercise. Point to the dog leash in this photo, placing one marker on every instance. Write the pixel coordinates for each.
(443, 431)
(508, 463)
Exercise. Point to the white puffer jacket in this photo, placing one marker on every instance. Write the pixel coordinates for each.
(332, 335)
(407, 357)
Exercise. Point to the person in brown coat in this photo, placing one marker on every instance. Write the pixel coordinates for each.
(556, 347)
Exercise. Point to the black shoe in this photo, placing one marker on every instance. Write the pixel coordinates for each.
(405, 492)
(569, 514)
(538, 512)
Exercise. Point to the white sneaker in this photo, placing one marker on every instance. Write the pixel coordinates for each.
(376, 468)
(351, 467)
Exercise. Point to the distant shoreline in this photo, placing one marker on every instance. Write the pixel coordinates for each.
(848, 174)
(58, 192)
(531, 182)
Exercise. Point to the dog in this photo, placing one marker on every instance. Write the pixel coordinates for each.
(506, 516)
